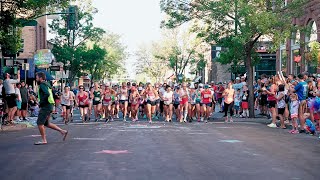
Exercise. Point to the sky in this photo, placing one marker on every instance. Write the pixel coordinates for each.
(137, 21)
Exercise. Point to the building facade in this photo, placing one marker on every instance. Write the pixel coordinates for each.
(292, 57)
(33, 39)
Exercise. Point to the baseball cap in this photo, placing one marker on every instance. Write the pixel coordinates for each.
(206, 86)
(200, 85)
(237, 78)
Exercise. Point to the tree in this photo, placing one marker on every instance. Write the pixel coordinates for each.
(73, 42)
(94, 61)
(236, 25)
(148, 65)
(12, 13)
(116, 54)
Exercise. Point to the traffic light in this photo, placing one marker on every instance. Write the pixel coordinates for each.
(72, 21)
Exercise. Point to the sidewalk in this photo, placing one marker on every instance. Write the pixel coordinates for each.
(15, 127)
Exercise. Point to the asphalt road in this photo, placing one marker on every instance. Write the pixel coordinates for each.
(140, 151)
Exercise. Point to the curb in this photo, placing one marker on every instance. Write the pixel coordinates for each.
(16, 127)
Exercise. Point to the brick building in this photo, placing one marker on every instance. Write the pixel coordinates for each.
(291, 57)
(33, 38)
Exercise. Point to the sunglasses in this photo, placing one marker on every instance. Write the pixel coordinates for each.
(81, 88)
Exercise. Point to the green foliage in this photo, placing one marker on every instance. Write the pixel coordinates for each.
(235, 24)
(314, 53)
(116, 54)
(150, 63)
(70, 45)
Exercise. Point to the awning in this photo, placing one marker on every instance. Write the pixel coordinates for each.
(48, 75)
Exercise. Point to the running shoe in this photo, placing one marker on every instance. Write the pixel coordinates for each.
(124, 120)
(291, 131)
(295, 132)
(302, 131)
(272, 125)
(201, 119)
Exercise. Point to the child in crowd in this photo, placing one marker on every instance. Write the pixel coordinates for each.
(281, 105)
(294, 107)
(237, 101)
(245, 104)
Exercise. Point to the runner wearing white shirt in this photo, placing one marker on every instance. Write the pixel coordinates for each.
(168, 104)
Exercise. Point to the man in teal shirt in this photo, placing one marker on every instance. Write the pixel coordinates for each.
(45, 110)
(301, 89)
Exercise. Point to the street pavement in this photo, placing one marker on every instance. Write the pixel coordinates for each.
(141, 151)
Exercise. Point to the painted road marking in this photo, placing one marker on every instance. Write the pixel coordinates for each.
(198, 133)
(33, 136)
(230, 141)
(113, 152)
(143, 127)
(92, 139)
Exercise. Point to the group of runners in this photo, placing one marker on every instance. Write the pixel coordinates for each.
(185, 102)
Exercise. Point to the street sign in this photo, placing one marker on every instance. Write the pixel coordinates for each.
(55, 68)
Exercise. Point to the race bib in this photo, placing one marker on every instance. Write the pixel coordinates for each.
(97, 98)
(81, 103)
(123, 97)
(151, 98)
(206, 95)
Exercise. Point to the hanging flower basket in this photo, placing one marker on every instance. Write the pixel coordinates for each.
(297, 58)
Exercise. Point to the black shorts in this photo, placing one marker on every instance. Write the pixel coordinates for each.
(122, 101)
(263, 100)
(84, 106)
(281, 111)
(176, 106)
(272, 104)
(96, 103)
(158, 101)
(152, 103)
(11, 100)
(219, 101)
(67, 107)
(208, 104)
(44, 115)
(24, 106)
